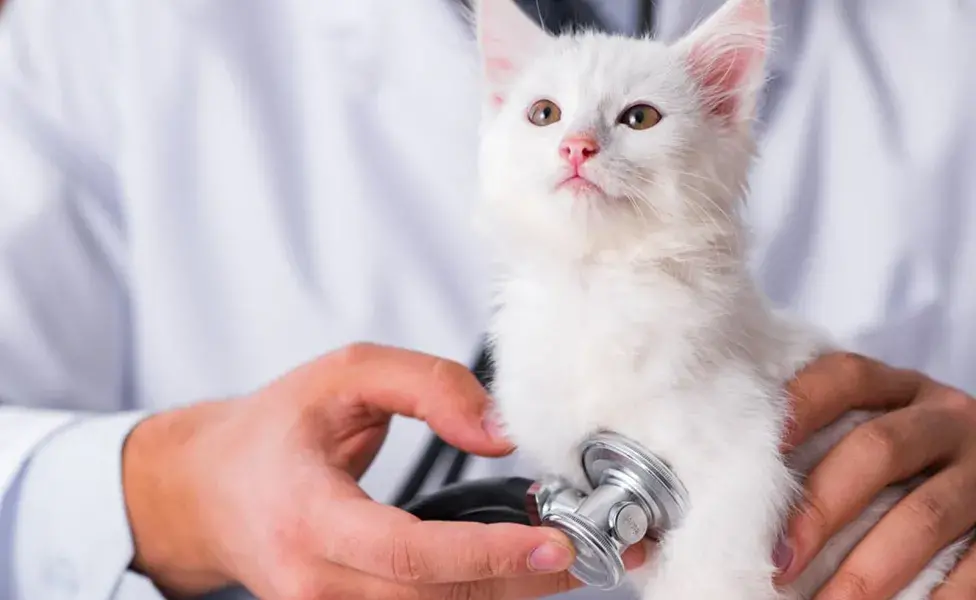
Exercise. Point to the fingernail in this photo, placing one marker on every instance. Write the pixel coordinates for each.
(783, 555)
(551, 556)
(494, 429)
(634, 557)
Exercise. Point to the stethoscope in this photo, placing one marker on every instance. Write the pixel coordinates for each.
(632, 495)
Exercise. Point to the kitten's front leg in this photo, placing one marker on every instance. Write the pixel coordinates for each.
(724, 547)
(691, 570)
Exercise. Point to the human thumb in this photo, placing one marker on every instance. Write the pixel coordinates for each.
(474, 428)
(442, 392)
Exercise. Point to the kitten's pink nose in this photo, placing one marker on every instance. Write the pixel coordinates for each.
(577, 150)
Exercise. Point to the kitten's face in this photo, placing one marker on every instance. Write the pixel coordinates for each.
(590, 140)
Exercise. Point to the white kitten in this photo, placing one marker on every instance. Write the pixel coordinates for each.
(611, 172)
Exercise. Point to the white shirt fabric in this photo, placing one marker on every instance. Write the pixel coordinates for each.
(198, 195)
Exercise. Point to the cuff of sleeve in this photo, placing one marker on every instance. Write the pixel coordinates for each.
(72, 537)
(23, 430)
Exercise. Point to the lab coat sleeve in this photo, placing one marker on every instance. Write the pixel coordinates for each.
(63, 310)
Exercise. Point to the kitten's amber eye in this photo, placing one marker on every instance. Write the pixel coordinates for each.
(640, 116)
(544, 112)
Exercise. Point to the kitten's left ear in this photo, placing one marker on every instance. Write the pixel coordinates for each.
(508, 40)
(727, 57)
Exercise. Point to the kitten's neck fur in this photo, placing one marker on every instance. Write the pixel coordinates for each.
(700, 272)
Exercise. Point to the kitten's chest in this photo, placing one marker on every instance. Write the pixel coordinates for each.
(571, 361)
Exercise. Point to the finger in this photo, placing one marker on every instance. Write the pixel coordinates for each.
(444, 393)
(522, 588)
(318, 579)
(884, 450)
(961, 582)
(392, 544)
(333, 581)
(906, 538)
(635, 556)
(532, 586)
(837, 383)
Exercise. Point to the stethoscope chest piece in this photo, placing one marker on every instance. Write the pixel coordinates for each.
(635, 495)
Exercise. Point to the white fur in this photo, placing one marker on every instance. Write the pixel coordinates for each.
(635, 312)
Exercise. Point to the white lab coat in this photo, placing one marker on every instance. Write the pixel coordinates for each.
(198, 195)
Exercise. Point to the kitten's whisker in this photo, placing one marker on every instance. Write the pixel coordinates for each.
(715, 181)
(729, 229)
(707, 219)
(634, 196)
(711, 202)
(641, 197)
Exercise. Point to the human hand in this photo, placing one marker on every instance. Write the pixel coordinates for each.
(930, 428)
(262, 491)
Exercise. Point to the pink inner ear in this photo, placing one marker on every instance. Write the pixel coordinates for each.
(498, 70)
(507, 38)
(494, 65)
(723, 76)
(727, 55)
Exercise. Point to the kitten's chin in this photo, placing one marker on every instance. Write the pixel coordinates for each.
(580, 187)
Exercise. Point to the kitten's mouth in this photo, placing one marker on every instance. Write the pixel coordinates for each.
(578, 184)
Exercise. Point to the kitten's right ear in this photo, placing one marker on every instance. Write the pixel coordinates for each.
(507, 40)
